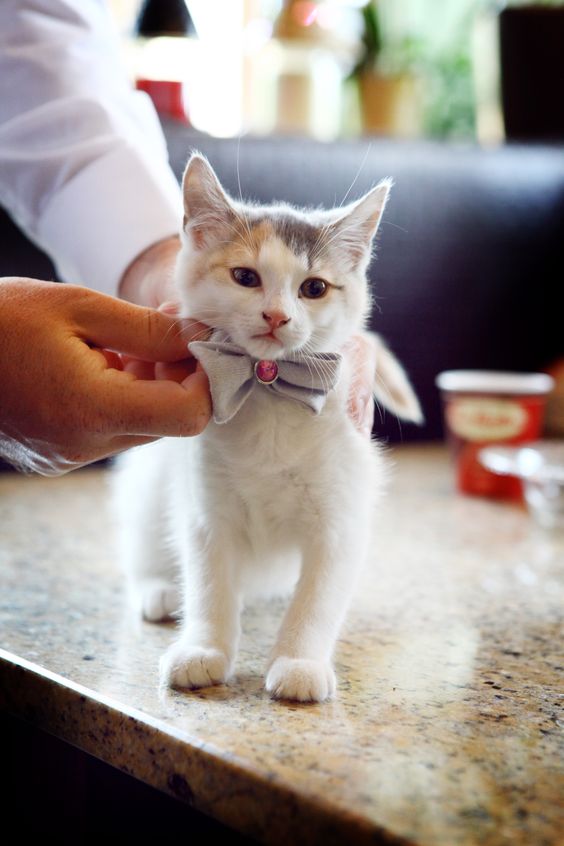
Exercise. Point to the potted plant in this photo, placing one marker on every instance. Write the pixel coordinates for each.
(389, 91)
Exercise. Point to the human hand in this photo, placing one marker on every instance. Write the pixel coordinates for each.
(376, 374)
(68, 396)
(360, 352)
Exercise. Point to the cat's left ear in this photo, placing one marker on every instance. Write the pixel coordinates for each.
(356, 228)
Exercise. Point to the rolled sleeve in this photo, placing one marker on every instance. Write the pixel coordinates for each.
(83, 161)
(106, 215)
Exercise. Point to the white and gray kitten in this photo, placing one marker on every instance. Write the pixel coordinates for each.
(277, 498)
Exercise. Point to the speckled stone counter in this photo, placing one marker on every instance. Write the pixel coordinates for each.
(447, 728)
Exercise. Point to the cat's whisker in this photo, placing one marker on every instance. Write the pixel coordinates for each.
(203, 335)
(322, 377)
(359, 171)
(314, 249)
(308, 364)
(314, 367)
(378, 378)
(242, 216)
(238, 171)
(247, 235)
(395, 225)
(380, 408)
(209, 220)
(243, 230)
(173, 328)
(179, 331)
(339, 234)
(251, 242)
(319, 244)
(203, 313)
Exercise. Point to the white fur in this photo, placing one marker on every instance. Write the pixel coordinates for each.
(277, 498)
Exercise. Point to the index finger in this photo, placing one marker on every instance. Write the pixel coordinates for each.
(140, 332)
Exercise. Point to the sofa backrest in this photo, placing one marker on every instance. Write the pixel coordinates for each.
(469, 266)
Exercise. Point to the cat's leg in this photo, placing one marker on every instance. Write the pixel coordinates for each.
(140, 506)
(153, 589)
(300, 666)
(205, 652)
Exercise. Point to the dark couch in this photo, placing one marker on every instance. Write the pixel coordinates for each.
(469, 271)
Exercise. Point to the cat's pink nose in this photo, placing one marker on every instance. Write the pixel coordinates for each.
(276, 319)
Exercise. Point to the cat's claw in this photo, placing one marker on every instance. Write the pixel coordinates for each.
(301, 679)
(193, 666)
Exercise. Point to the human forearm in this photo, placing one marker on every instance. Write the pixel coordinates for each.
(83, 161)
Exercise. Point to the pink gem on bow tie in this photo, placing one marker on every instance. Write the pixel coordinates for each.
(266, 371)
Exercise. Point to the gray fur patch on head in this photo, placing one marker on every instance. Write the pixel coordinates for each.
(300, 236)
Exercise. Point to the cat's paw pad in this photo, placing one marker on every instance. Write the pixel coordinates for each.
(193, 666)
(301, 679)
(159, 600)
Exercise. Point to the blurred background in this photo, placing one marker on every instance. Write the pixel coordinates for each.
(311, 103)
(456, 70)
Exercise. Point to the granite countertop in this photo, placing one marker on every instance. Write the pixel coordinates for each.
(447, 728)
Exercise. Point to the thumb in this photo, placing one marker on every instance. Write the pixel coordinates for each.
(141, 332)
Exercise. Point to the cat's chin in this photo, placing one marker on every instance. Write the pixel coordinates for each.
(266, 348)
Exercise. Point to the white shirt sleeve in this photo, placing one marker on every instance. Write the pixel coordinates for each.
(83, 162)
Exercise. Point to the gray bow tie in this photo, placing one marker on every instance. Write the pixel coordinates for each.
(234, 374)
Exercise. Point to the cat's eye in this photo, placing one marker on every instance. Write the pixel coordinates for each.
(246, 277)
(313, 289)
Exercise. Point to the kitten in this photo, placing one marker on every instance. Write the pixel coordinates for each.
(279, 494)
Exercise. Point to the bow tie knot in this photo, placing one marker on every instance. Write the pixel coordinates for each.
(233, 375)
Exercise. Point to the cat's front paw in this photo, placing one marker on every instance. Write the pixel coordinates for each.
(191, 667)
(301, 679)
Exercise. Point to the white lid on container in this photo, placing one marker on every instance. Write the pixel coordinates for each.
(494, 382)
(543, 460)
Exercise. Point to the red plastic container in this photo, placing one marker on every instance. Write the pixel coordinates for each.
(488, 407)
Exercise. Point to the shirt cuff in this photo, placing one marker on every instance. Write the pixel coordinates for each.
(107, 215)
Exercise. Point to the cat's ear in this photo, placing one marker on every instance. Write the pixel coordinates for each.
(391, 385)
(355, 229)
(208, 214)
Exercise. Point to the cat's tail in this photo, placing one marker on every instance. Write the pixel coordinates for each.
(391, 386)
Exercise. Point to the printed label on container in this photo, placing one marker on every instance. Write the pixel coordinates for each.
(486, 419)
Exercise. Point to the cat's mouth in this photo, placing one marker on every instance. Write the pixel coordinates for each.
(268, 336)
(265, 345)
